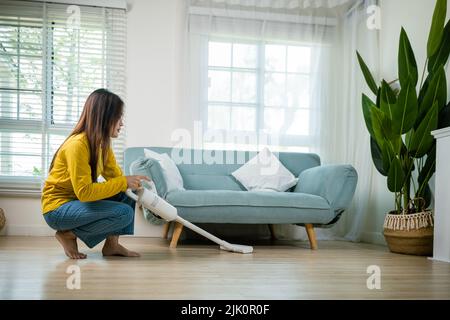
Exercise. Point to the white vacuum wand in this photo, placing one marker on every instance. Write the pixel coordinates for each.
(150, 200)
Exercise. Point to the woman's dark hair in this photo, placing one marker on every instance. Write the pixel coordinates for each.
(102, 110)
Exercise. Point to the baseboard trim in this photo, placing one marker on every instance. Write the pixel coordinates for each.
(45, 231)
(27, 230)
(439, 259)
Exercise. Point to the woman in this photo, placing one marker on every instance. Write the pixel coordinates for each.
(73, 202)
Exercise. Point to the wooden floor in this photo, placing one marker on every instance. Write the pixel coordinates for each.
(35, 268)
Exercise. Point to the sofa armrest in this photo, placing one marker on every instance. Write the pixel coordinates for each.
(335, 183)
(152, 169)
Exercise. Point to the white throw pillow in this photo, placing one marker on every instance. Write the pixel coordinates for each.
(172, 175)
(265, 172)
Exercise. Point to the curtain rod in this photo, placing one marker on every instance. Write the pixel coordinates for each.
(263, 16)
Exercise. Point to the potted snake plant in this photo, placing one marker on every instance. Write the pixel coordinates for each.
(400, 122)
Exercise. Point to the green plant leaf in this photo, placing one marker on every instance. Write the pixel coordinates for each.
(425, 175)
(421, 139)
(442, 54)
(379, 98)
(436, 92)
(444, 117)
(424, 88)
(379, 123)
(408, 138)
(403, 149)
(366, 105)
(426, 195)
(407, 65)
(367, 74)
(428, 169)
(406, 110)
(388, 99)
(388, 155)
(396, 176)
(377, 157)
(382, 129)
(397, 144)
(437, 27)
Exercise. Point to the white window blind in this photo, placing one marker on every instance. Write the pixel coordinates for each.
(52, 56)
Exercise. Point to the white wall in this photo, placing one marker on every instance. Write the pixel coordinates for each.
(415, 17)
(153, 101)
(23, 216)
(152, 64)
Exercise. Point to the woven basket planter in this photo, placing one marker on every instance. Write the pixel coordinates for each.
(2, 219)
(410, 233)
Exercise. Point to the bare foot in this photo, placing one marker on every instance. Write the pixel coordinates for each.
(118, 250)
(69, 242)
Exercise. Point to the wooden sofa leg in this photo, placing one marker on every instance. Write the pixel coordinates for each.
(272, 232)
(176, 234)
(311, 235)
(166, 228)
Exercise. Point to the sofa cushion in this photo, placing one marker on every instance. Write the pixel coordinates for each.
(226, 206)
(172, 175)
(265, 171)
(211, 181)
(152, 169)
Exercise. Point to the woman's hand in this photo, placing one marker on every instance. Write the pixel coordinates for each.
(134, 182)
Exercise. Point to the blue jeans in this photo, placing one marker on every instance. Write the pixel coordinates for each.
(92, 222)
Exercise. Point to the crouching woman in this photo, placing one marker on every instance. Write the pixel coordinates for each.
(74, 203)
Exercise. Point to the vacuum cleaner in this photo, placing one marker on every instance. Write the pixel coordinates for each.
(148, 198)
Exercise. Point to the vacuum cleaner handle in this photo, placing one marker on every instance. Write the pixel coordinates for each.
(132, 195)
(154, 203)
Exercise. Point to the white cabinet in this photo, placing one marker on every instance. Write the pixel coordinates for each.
(441, 245)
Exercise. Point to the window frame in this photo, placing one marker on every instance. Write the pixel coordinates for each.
(286, 142)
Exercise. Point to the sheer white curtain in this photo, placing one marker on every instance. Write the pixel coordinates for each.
(254, 66)
(347, 139)
(343, 135)
(285, 69)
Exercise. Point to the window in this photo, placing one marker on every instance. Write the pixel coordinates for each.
(232, 82)
(260, 87)
(51, 57)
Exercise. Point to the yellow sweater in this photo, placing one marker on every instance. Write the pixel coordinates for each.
(70, 177)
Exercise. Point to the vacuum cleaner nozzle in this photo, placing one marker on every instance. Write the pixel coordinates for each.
(239, 248)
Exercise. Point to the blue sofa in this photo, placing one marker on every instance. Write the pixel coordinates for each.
(213, 195)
